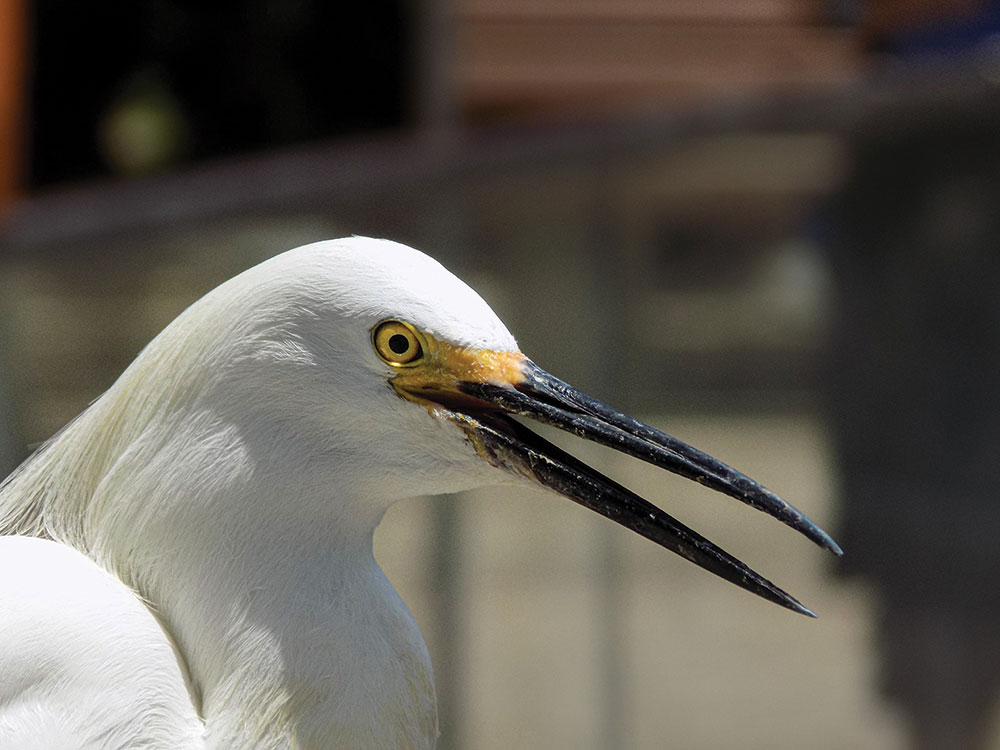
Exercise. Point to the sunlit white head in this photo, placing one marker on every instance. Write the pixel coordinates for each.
(334, 379)
(429, 377)
(297, 357)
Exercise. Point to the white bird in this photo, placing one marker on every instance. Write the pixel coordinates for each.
(190, 562)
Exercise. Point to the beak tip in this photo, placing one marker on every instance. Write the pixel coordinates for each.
(798, 607)
(826, 541)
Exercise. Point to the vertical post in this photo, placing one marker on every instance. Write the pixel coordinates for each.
(13, 49)
(448, 601)
(608, 286)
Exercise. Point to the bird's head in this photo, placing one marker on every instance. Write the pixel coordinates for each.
(376, 341)
(366, 363)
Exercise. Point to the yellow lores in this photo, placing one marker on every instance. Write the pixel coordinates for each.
(428, 367)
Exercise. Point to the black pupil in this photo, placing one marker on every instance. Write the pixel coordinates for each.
(399, 343)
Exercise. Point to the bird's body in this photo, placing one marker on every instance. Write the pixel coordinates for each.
(211, 582)
(235, 481)
(85, 663)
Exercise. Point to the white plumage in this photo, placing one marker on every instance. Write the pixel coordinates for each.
(233, 477)
(211, 582)
(85, 663)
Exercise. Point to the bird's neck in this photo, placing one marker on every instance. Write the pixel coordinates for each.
(308, 648)
(258, 560)
(292, 635)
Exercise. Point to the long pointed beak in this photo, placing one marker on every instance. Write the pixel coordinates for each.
(484, 408)
(544, 397)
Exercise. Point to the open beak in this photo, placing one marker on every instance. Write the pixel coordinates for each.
(484, 408)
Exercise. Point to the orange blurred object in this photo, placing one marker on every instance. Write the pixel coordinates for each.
(12, 68)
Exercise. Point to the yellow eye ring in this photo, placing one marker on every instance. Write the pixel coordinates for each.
(398, 344)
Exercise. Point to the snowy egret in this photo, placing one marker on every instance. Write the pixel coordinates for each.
(190, 561)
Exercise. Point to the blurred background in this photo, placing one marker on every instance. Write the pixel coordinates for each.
(767, 226)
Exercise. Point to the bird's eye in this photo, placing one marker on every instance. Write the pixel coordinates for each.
(397, 343)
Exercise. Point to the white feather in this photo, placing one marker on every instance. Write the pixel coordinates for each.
(233, 478)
